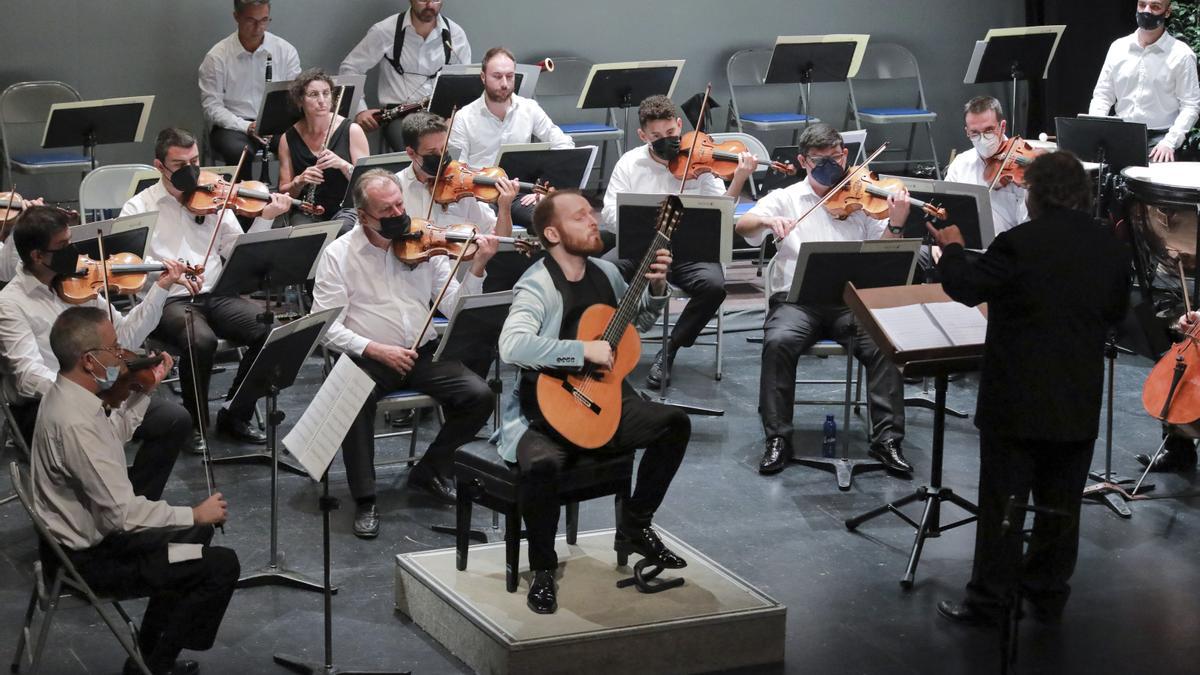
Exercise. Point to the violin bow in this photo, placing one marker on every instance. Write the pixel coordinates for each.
(104, 275)
(695, 137)
(442, 293)
(441, 164)
(233, 187)
(1187, 305)
(1012, 146)
(8, 205)
(844, 182)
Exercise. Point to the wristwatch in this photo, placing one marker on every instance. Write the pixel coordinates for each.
(895, 229)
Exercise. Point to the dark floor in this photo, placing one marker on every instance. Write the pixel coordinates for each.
(1136, 606)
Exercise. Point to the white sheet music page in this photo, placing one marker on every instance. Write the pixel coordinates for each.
(965, 325)
(317, 436)
(910, 327)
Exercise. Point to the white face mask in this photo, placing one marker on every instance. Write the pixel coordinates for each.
(986, 144)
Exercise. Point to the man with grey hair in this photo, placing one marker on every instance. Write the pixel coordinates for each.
(985, 126)
(233, 77)
(121, 543)
(383, 329)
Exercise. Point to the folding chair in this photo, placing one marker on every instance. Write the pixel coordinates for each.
(24, 109)
(106, 188)
(747, 69)
(893, 63)
(567, 80)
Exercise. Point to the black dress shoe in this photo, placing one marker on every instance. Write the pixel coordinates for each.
(542, 597)
(658, 370)
(645, 542)
(366, 521)
(181, 667)
(427, 480)
(1179, 454)
(239, 430)
(965, 614)
(197, 446)
(888, 451)
(776, 456)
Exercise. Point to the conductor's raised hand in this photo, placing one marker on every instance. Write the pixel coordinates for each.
(946, 236)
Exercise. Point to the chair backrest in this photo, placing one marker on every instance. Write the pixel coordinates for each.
(748, 67)
(107, 187)
(768, 287)
(887, 61)
(753, 145)
(570, 74)
(9, 422)
(24, 108)
(71, 576)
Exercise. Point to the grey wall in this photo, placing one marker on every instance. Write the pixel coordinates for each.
(129, 47)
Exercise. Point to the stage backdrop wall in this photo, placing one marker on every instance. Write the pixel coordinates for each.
(129, 47)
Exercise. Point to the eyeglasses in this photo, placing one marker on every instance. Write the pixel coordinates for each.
(314, 95)
(256, 22)
(815, 159)
(989, 134)
(428, 2)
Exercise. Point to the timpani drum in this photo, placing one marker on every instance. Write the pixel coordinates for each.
(1165, 200)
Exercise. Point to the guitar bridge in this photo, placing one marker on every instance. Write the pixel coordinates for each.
(580, 397)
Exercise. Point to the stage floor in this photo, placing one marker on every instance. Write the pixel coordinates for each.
(1134, 605)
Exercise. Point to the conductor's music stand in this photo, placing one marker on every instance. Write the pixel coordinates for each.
(275, 369)
(823, 270)
(704, 235)
(99, 122)
(564, 168)
(1012, 54)
(624, 86)
(805, 59)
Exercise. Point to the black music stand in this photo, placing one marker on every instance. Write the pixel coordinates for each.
(99, 122)
(563, 168)
(275, 369)
(1009, 55)
(453, 91)
(277, 112)
(923, 362)
(259, 262)
(805, 59)
(624, 86)
(392, 161)
(126, 234)
(823, 270)
(704, 235)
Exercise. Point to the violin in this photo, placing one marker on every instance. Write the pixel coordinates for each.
(12, 205)
(459, 181)
(136, 376)
(126, 274)
(1008, 164)
(720, 159)
(425, 240)
(869, 193)
(395, 112)
(251, 198)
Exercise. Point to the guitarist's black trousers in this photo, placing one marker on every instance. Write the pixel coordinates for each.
(541, 453)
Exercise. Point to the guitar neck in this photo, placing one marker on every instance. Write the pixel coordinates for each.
(629, 305)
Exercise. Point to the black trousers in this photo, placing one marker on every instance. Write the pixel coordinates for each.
(229, 317)
(1055, 474)
(187, 599)
(541, 454)
(165, 429)
(789, 331)
(227, 145)
(465, 398)
(705, 285)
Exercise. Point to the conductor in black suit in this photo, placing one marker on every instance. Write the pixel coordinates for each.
(1053, 286)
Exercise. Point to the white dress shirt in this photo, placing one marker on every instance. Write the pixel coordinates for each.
(178, 236)
(28, 309)
(1008, 203)
(1155, 85)
(792, 202)
(419, 57)
(9, 260)
(81, 487)
(468, 210)
(637, 171)
(385, 300)
(478, 134)
(233, 80)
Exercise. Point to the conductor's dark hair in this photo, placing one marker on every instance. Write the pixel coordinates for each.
(545, 213)
(36, 226)
(75, 332)
(1056, 180)
(419, 125)
(982, 104)
(819, 136)
(172, 137)
(654, 108)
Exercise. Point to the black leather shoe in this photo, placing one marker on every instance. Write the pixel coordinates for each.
(777, 456)
(644, 541)
(967, 615)
(888, 451)
(239, 430)
(542, 597)
(658, 370)
(181, 667)
(197, 445)
(441, 489)
(366, 521)
(1179, 454)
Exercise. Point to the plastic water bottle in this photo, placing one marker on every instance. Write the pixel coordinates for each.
(829, 445)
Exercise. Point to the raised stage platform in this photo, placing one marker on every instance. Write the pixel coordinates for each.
(715, 621)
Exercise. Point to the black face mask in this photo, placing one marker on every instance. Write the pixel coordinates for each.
(1150, 20)
(394, 227)
(186, 178)
(64, 261)
(430, 164)
(666, 148)
(828, 172)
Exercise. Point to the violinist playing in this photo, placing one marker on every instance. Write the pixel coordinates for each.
(385, 303)
(1179, 451)
(12, 206)
(28, 308)
(182, 235)
(645, 169)
(985, 125)
(321, 148)
(791, 329)
(1050, 311)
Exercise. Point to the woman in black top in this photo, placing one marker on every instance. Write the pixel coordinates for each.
(302, 162)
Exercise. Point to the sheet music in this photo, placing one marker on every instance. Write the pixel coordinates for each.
(964, 325)
(317, 436)
(910, 327)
